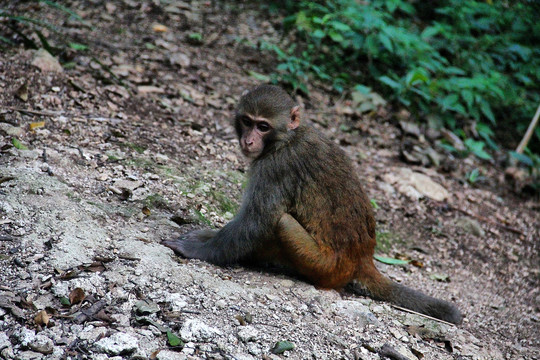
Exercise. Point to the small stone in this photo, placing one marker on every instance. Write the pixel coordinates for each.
(177, 301)
(11, 130)
(44, 61)
(221, 304)
(4, 341)
(170, 355)
(127, 184)
(470, 226)
(415, 185)
(248, 333)
(287, 283)
(357, 312)
(117, 344)
(180, 59)
(196, 330)
(42, 345)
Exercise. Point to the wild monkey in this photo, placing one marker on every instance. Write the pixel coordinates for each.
(304, 207)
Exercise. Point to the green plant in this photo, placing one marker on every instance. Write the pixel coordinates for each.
(473, 176)
(454, 60)
(14, 20)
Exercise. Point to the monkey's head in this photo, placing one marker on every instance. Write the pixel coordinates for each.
(264, 117)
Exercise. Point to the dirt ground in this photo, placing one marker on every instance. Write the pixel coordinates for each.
(136, 146)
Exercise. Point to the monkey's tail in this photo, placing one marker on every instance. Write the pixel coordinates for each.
(377, 286)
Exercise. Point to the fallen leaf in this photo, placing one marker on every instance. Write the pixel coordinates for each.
(22, 92)
(18, 144)
(160, 28)
(42, 318)
(46, 62)
(259, 76)
(146, 307)
(390, 261)
(65, 301)
(76, 296)
(36, 125)
(281, 346)
(174, 340)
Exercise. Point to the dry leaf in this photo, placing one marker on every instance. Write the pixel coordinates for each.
(76, 296)
(36, 125)
(22, 92)
(160, 28)
(42, 318)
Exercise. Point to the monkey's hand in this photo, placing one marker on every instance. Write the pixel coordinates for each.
(190, 244)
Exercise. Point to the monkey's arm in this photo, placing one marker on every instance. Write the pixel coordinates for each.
(254, 224)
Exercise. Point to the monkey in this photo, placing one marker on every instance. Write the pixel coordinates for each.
(304, 208)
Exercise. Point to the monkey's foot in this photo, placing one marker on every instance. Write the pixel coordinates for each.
(194, 244)
(175, 245)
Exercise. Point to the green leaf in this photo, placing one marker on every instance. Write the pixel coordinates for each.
(174, 340)
(390, 261)
(339, 26)
(335, 36)
(393, 84)
(65, 301)
(416, 76)
(486, 110)
(449, 102)
(387, 43)
(430, 31)
(362, 89)
(67, 10)
(258, 76)
(473, 176)
(281, 346)
(77, 46)
(374, 203)
(522, 158)
(318, 34)
(18, 144)
(477, 148)
(468, 97)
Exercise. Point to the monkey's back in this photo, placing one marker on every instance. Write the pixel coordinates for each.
(329, 200)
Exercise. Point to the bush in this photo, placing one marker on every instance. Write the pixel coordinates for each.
(453, 60)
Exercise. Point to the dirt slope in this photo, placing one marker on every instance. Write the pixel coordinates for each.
(136, 147)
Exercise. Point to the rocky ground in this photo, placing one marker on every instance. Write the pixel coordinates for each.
(129, 143)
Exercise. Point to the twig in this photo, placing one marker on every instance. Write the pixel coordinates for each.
(484, 219)
(34, 112)
(420, 314)
(529, 132)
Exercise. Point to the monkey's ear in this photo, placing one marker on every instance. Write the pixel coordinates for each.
(295, 118)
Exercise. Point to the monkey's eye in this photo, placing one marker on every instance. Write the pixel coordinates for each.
(246, 121)
(263, 127)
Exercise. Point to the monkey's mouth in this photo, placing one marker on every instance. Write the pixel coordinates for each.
(250, 154)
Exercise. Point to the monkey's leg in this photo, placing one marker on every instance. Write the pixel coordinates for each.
(310, 258)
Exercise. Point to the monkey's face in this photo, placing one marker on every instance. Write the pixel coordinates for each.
(253, 132)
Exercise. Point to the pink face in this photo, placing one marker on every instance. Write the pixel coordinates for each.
(253, 132)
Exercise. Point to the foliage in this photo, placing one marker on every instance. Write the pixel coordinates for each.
(23, 28)
(454, 60)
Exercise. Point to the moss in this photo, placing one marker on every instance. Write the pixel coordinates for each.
(155, 201)
(385, 241)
